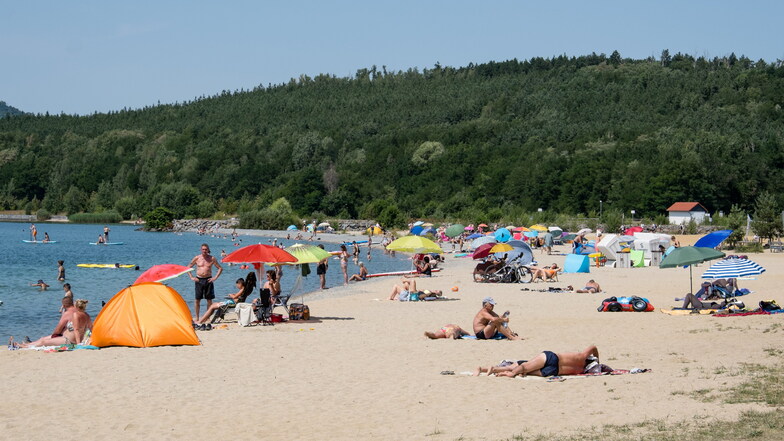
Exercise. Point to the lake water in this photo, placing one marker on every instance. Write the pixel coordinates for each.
(28, 311)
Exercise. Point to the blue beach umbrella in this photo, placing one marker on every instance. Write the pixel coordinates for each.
(418, 223)
(712, 240)
(503, 235)
(729, 268)
(481, 241)
(416, 230)
(291, 228)
(474, 236)
(530, 234)
(426, 231)
(519, 248)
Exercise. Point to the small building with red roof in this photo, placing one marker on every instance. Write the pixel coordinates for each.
(683, 212)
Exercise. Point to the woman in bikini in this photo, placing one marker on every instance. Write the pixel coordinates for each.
(74, 331)
(344, 263)
(447, 331)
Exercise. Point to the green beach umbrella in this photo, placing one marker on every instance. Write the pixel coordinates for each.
(688, 256)
(307, 253)
(455, 230)
(414, 244)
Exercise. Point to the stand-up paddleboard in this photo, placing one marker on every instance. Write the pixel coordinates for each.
(39, 241)
(104, 265)
(399, 273)
(107, 243)
(352, 242)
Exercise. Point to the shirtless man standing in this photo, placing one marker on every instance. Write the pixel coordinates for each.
(487, 324)
(546, 364)
(204, 287)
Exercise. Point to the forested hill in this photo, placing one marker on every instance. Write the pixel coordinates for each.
(5, 109)
(485, 141)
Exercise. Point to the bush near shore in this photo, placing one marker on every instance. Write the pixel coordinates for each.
(105, 217)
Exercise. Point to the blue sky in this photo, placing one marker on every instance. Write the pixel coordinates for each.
(83, 56)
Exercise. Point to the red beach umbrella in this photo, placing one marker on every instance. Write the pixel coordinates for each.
(159, 273)
(259, 253)
(483, 250)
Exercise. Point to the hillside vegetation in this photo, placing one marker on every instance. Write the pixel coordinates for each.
(484, 141)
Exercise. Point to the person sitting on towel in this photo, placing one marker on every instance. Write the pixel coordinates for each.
(547, 364)
(487, 324)
(590, 287)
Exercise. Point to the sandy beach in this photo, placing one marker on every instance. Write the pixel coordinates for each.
(362, 369)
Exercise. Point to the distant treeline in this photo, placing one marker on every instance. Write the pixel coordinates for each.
(486, 142)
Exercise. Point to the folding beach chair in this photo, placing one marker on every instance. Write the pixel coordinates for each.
(283, 299)
(250, 285)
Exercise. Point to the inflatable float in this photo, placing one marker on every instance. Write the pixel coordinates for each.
(39, 241)
(104, 265)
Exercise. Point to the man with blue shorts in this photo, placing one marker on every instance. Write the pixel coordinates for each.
(547, 364)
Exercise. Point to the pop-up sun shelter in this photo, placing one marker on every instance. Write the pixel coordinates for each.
(144, 315)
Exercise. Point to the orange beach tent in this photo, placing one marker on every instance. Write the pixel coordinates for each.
(144, 315)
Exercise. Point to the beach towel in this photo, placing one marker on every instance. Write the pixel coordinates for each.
(679, 311)
(743, 313)
(498, 336)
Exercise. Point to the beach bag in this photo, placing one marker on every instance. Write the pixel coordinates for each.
(769, 305)
(299, 311)
(244, 314)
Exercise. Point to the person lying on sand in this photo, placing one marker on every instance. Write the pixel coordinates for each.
(487, 324)
(693, 302)
(547, 364)
(403, 293)
(590, 287)
(447, 331)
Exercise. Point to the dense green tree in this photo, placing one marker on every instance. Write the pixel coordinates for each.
(767, 217)
(498, 139)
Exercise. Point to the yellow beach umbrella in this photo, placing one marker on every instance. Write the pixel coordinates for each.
(414, 244)
(501, 248)
(538, 227)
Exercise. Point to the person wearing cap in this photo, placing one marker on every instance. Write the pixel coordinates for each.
(487, 324)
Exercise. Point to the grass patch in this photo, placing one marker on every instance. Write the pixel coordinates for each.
(698, 331)
(763, 384)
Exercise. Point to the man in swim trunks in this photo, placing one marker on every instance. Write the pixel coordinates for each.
(106, 233)
(403, 293)
(204, 279)
(590, 287)
(547, 364)
(487, 324)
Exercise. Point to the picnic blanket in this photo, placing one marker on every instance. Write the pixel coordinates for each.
(747, 313)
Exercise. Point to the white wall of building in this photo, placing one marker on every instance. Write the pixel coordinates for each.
(683, 217)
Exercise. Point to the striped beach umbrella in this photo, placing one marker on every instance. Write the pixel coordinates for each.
(729, 268)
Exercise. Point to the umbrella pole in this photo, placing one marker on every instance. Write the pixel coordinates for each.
(691, 284)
